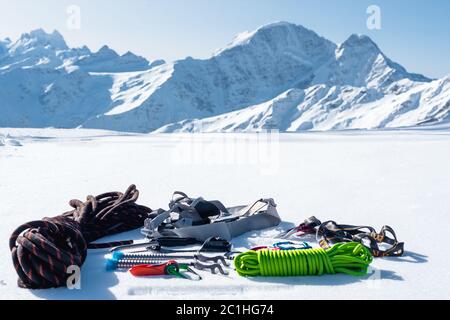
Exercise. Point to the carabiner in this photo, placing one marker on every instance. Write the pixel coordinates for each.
(185, 275)
(289, 245)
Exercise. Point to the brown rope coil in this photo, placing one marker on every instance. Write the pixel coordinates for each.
(43, 250)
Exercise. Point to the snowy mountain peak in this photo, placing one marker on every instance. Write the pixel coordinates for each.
(360, 40)
(41, 50)
(271, 31)
(107, 52)
(5, 42)
(108, 60)
(129, 54)
(280, 38)
(279, 24)
(3, 46)
(39, 37)
(157, 63)
(358, 47)
(84, 50)
(359, 62)
(34, 50)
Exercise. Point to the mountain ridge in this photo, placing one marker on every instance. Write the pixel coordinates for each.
(281, 76)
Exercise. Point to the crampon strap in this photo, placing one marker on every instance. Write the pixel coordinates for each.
(200, 219)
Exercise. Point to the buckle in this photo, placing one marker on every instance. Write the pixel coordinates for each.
(379, 237)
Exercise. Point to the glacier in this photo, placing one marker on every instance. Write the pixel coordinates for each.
(281, 76)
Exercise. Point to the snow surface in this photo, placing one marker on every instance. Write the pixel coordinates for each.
(399, 178)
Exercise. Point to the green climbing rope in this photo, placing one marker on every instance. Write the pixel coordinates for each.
(350, 258)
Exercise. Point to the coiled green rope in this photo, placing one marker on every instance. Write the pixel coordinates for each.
(350, 258)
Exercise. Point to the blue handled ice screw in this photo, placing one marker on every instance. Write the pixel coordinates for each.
(111, 264)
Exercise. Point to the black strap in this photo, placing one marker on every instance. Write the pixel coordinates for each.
(331, 232)
(213, 244)
(198, 211)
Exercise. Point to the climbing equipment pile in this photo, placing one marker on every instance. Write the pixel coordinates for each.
(350, 258)
(380, 244)
(190, 221)
(156, 253)
(43, 250)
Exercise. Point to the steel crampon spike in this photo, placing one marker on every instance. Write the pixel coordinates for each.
(211, 267)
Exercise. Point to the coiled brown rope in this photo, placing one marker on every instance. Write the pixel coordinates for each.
(43, 250)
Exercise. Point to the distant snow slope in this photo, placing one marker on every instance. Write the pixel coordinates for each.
(331, 108)
(281, 76)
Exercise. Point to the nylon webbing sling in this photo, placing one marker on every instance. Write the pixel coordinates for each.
(331, 232)
(380, 244)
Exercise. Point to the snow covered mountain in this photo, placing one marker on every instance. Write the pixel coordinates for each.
(44, 83)
(280, 76)
(358, 62)
(332, 108)
(39, 49)
(107, 60)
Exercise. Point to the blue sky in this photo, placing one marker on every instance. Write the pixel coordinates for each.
(413, 33)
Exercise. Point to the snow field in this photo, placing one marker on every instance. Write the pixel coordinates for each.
(399, 178)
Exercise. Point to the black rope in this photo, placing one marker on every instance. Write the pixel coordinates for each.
(43, 250)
